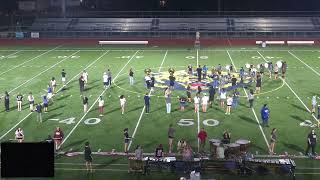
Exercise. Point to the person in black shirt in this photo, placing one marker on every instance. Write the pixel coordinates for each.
(234, 80)
(226, 137)
(199, 72)
(81, 84)
(212, 92)
(147, 103)
(88, 157)
(85, 104)
(39, 112)
(131, 73)
(159, 151)
(6, 101)
(312, 141)
(126, 139)
(63, 78)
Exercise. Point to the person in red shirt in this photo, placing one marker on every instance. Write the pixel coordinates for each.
(202, 136)
(58, 136)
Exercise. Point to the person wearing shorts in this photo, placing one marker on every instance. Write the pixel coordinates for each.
(126, 139)
(273, 140)
(122, 103)
(276, 71)
(188, 91)
(205, 101)
(45, 104)
(31, 102)
(258, 83)
(58, 137)
(19, 101)
(182, 101)
(88, 157)
(49, 93)
(223, 97)
(229, 104)
(196, 100)
(53, 84)
(19, 136)
(85, 76)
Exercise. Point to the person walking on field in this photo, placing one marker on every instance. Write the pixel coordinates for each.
(167, 95)
(273, 140)
(109, 77)
(171, 133)
(251, 98)
(39, 112)
(88, 157)
(229, 104)
(85, 104)
(31, 102)
(312, 141)
(105, 80)
(199, 73)
(202, 136)
(122, 103)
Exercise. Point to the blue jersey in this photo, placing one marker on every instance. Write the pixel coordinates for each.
(49, 90)
(205, 69)
(147, 100)
(265, 112)
(45, 101)
(215, 83)
(241, 72)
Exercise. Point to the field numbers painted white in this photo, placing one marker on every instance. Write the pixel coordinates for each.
(68, 120)
(307, 123)
(206, 122)
(92, 121)
(194, 57)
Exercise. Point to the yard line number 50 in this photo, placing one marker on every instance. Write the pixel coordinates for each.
(190, 122)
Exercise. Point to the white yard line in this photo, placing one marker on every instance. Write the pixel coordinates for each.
(304, 63)
(16, 66)
(197, 58)
(77, 75)
(43, 72)
(144, 107)
(253, 111)
(294, 91)
(6, 56)
(93, 104)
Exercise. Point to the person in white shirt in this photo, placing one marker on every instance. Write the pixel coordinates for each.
(223, 97)
(229, 104)
(85, 76)
(196, 100)
(105, 80)
(101, 105)
(122, 103)
(205, 100)
(148, 81)
(31, 101)
(53, 84)
(19, 136)
(167, 95)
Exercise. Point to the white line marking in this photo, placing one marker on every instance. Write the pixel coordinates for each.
(53, 119)
(197, 58)
(254, 112)
(198, 117)
(73, 129)
(304, 63)
(43, 72)
(294, 91)
(144, 107)
(11, 54)
(53, 95)
(14, 67)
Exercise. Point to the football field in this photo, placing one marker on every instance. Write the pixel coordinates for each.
(30, 69)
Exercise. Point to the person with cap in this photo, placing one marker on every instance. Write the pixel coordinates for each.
(265, 114)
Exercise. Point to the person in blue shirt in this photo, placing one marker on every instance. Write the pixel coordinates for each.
(49, 93)
(215, 83)
(45, 104)
(265, 113)
(205, 70)
(147, 103)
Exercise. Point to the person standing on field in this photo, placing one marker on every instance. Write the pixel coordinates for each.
(167, 96)
(105, 80)
(273, 140)
(313, 104)
(88, 157)
(39, 112)
(31, 102)
(265, 114)
(251, 98)
(85, 104)
(101, 105)
(205, 101)
(202, 136)
(131, 73)
(312, 141)
(171, 133)
(147, 103)
(109, 77)
(6, 101)
(63, 78)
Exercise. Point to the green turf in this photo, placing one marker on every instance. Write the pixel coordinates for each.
(29, 69)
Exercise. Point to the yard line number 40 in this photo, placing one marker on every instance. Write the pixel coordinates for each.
(71, 120)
